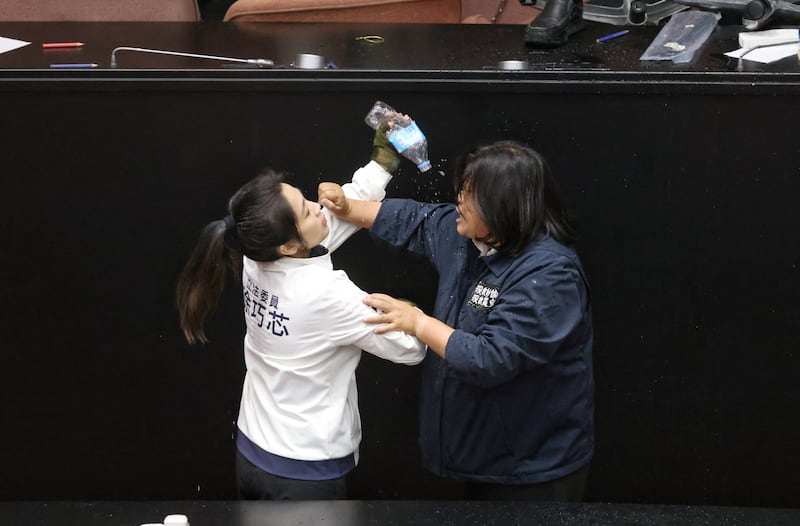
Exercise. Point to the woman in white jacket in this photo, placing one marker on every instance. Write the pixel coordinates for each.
(299, 427)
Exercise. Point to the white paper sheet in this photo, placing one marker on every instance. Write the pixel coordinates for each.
(10, 44)
(765, 55)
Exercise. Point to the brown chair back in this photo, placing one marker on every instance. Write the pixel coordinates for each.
(99, 11)
(396, 11)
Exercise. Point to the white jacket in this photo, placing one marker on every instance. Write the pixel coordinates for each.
(305, 333)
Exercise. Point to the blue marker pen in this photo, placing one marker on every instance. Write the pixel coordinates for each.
(613, 36)
(72, 66)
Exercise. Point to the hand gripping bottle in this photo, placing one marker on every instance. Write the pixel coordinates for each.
(404, 134)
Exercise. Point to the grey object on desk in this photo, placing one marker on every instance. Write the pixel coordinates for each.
(309, 61)
(681, 38)
(631, 12)
(756, 14)
(513, 65)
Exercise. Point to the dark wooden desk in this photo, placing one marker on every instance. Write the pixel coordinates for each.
(387, 513)
(683, 182)
(452, 51)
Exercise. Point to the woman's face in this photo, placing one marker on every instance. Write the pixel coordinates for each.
(311, 222)
(469, 222)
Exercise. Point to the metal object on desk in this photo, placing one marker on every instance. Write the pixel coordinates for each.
(755, 13)
(630, 12)
(309, 61)
(513, 65)
(257, 62)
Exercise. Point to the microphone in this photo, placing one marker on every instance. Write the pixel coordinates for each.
(258, 62)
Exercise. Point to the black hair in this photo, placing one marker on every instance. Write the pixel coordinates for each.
(516, 195)
(259, 221)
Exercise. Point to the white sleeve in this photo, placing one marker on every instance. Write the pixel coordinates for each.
(346, 312)
(368, 184)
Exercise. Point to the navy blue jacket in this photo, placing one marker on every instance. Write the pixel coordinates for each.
(513, 402)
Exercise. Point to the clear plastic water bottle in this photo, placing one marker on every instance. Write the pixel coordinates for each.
(404, 134)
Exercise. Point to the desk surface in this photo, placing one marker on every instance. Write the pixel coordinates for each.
(400, 513)
(455, 51)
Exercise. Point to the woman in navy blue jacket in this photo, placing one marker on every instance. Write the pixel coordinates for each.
(507, 397)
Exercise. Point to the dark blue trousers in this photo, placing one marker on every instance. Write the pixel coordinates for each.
(252, 483)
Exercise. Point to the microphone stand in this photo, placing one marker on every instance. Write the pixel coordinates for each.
(258, 62)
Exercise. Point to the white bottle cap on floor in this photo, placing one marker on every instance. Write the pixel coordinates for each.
(176, 520)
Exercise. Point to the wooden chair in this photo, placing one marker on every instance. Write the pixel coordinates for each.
(497, 12)
(99, 11)
(396, 11)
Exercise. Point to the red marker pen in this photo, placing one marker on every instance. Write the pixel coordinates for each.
(59, 45)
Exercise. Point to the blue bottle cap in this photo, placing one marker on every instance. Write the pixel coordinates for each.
(424, 166)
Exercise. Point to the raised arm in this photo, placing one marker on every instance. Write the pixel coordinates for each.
(359, 208)
(368, 184)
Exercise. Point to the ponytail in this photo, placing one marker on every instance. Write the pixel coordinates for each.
(260, 220)
(202, 280)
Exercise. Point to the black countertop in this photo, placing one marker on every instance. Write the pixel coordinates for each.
(399, 513)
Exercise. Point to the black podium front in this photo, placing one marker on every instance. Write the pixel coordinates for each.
(682, 181)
